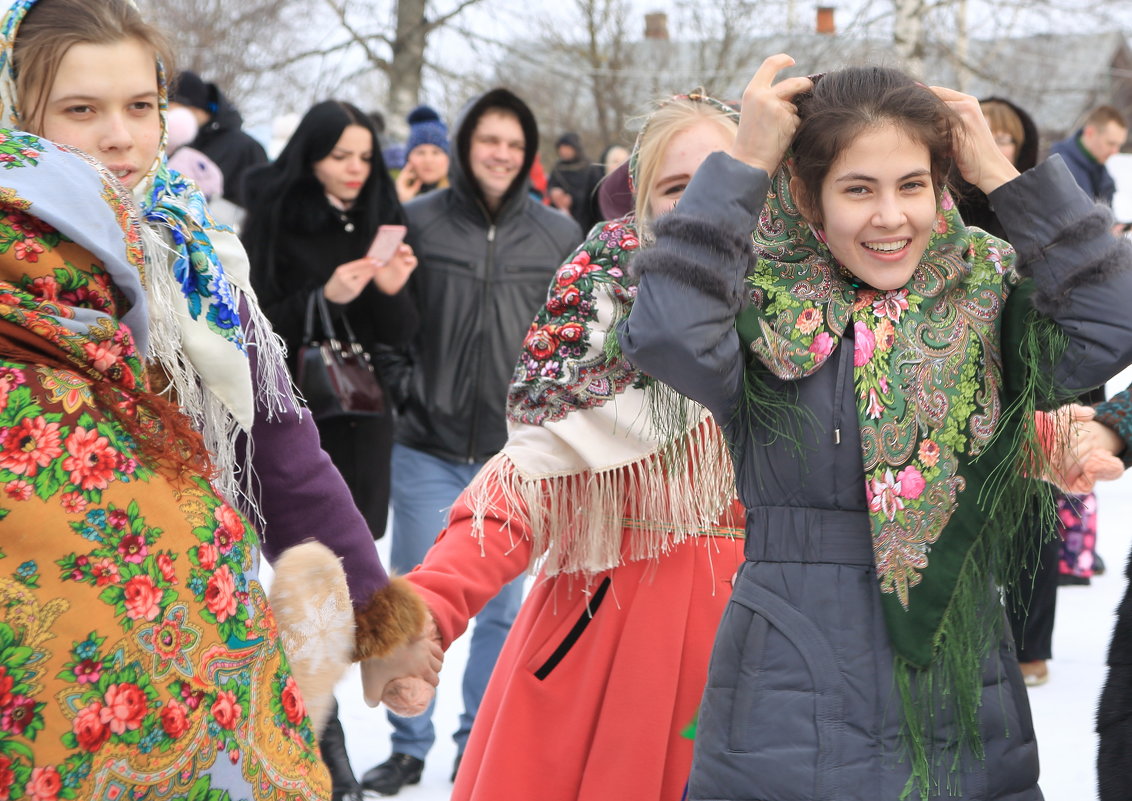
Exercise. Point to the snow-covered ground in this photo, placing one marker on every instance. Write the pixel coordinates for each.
(1064, 708)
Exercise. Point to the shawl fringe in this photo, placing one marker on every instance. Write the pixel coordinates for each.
(210, 415)
(577, 522)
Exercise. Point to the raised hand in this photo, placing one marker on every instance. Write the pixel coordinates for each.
(769, 117)
(408, 184)
(349, 279)
(1081, 451)
(390, 276)
(978, 158)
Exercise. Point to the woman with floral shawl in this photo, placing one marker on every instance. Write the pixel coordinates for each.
(90, 75)
(635, 546)
(137, 650)
(878, 365)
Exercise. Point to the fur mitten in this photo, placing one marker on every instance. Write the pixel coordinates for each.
(316, 623)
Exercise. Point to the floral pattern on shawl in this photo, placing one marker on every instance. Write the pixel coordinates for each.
(563, 366)
(138, 655)
(927, 367)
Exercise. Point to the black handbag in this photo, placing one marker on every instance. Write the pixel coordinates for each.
(335, 378)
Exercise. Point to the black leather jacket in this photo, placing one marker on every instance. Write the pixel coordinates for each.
(480, 281)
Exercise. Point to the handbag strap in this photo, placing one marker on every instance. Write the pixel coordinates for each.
(317, 298)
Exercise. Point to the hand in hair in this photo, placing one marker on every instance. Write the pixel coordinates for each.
(769, 117)
(978, 158)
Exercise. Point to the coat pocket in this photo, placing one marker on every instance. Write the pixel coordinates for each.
(774, 704)
(550, 655)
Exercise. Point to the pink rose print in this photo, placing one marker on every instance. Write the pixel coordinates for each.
(911, 483)
(822, 345)
(293, 706)
(91, 461)
(44, 784)
(863, 344)
(225, 709)
(141, 597)
(125, 707)
(220, 594)
(174, 719)
(89, 728)
(207, 554)
(30, 445)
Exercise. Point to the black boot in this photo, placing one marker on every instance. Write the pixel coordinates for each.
(344, 785)
(394, 773)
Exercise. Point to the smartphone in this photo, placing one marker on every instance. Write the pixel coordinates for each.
(385, 244)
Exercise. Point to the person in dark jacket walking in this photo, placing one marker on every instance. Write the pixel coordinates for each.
(572, 185)
(487, 253)
(879, 365)
(311, 217)
(1102, 136)
(221, 136)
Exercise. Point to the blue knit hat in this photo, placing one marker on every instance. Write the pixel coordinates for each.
(426, 128)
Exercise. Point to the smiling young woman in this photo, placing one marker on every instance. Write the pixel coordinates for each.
(879, 365)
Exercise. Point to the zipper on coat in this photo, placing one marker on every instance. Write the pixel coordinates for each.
(489, 267)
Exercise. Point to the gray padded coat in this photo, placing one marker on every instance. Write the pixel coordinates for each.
(800, 703)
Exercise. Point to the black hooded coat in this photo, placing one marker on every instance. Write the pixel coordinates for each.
(482, 277)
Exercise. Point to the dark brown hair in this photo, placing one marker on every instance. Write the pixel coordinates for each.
(846, 103)
(52, 27)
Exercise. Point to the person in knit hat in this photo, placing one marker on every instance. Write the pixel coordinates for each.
(426, 155)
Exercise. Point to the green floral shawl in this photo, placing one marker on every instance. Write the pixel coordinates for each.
(944, 424)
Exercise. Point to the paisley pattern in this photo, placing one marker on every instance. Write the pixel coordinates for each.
(927, 366)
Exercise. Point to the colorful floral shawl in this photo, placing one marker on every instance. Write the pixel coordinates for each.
(199, 273)
(138, 657)
(943, 423)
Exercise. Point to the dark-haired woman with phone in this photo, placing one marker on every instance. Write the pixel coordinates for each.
(312, 216)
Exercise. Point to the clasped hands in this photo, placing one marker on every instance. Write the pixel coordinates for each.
(349, 279)
(405, 680)
(1080, 451)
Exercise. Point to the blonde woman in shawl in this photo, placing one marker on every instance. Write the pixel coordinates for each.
(635, 546)
(90, 75)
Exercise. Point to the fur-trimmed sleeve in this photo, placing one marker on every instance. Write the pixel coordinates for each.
(394, 614)
(1081, 271)
(682, 327)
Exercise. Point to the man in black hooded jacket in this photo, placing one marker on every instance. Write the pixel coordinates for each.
(487, 253)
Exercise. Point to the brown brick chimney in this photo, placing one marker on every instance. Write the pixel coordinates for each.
(825, 22)
(656, 26)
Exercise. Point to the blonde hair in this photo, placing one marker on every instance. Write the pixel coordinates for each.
(52, 27)
(666, 123)
(1002, 118)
